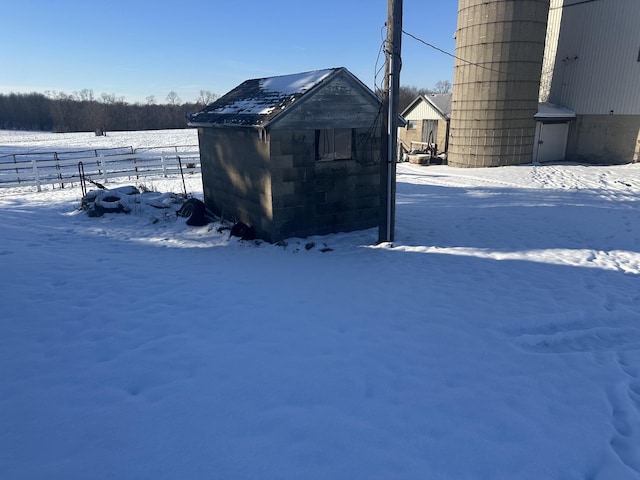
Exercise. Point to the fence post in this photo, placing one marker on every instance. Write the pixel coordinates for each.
(55, 157)
(35, 174)
(182, 175)
(16, 164)
(103, 164)
(164, 166)
(83, 182)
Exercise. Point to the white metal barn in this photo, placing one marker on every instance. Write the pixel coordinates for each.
(592, 67)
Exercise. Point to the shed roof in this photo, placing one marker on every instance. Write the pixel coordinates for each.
(552, 111)
(441, 102)
(257, 102)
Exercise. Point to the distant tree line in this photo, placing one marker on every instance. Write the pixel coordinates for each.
(81, 111)
(409, 93)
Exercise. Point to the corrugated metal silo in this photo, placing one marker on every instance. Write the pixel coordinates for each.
(500, 46)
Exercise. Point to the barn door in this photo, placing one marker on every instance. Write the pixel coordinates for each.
(429, 131)
(552, 142)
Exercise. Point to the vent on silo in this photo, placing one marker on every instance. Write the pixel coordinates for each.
(499, 50)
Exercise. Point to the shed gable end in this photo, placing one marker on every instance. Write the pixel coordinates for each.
(422, 110)
(338, 102)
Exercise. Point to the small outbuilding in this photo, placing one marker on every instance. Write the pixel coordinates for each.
(293, 155)
(427, 124)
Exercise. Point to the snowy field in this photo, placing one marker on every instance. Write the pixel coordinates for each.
(20, 142)
(498, 338)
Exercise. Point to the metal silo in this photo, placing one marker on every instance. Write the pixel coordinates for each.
(499, 50)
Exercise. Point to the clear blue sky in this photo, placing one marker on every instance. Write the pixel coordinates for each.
(135, 49)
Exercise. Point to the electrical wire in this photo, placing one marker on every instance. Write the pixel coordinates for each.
(573, 4)
(376, 69)
(448, 53)
(366, 143)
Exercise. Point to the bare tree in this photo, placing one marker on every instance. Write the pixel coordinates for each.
(108, 98)
(173, 98)
(84, 95)
(206, 97)
(408, 94)
(62, 112)
(443, 86)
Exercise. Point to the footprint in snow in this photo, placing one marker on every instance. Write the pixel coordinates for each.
(626, 429)
(587, 339)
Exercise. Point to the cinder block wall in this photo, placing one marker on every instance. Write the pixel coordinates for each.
(278, 187)
(236, 176)
(407, 136)
(315, 198)
(610, 139)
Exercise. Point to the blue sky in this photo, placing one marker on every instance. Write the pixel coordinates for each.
(135, 49)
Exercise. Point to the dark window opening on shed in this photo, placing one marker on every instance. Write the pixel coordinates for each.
(412, 124)
(334, 144)
(639, 55)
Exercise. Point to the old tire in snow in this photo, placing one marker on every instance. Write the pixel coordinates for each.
(110, 202)
(194, 210)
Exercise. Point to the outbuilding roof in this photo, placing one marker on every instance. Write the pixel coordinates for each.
(551, 111)
(441, 102)
(257, 102)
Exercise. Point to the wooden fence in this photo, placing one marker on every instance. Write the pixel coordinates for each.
(64, 169)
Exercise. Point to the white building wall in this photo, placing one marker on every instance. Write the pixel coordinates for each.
(596, 65)
(423, 111)
(550, 49)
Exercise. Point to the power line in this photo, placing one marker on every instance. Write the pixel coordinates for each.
(376, 69)
(451, 54)
(573, 4)
(380, 52)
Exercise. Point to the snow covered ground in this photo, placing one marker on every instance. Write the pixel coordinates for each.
(498, 338)
(32, 142)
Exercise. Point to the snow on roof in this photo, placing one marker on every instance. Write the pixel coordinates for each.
(255, 102)
(550, 110)
(296, 83)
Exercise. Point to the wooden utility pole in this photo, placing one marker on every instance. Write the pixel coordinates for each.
(390, 121)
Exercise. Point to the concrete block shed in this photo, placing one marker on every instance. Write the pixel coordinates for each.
(293, 155)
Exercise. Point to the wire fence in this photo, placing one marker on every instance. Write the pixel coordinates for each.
(64, 169)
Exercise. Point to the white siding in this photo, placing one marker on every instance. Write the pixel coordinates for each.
(423, 111)
(550, 49)
(596, 64)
